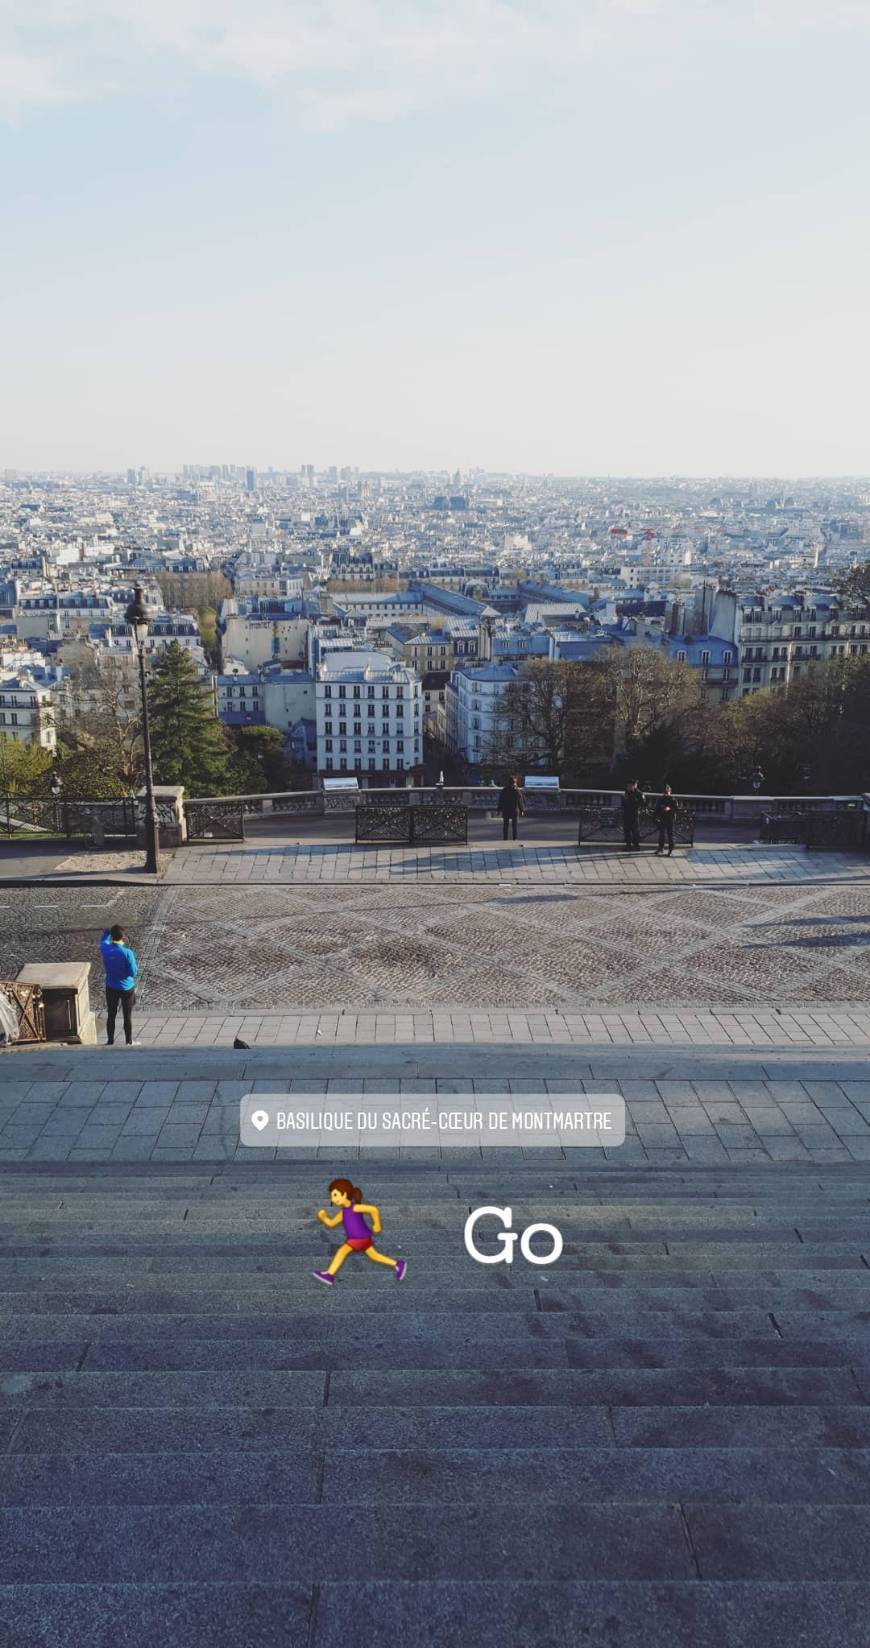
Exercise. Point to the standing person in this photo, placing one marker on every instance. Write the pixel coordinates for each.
(632, 802)
(666, 812)
(359, 1236)
(122, 971)
(510, 805)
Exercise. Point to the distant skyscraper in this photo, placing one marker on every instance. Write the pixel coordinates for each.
(250, 480)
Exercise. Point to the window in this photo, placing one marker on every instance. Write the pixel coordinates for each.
(727, 656)
(372, 765)
(357, 727)
(400, 743)
(356, 692)
(343, 764)
(371, 692)
(342, 743)
(329, 762)
(328, 743)
(681, 656)
(705, 658)
(357, 746)
(327, 726)
(386, 763)
(400, 765)
(372, 744)
(327, 692)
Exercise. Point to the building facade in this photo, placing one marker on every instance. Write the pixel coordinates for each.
(369, 717)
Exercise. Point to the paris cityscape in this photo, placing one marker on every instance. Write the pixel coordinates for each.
(282, 588)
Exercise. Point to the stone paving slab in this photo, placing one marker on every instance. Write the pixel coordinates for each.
(755, 1103)
(545, 855)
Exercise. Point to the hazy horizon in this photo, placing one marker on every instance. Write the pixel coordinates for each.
(586, 239)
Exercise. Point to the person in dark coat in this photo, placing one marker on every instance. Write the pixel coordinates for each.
(632, 802)
(666, 812)
(510, 805)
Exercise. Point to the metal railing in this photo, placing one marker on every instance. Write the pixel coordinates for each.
(27, 1004)
(483, 798)
(23, 815)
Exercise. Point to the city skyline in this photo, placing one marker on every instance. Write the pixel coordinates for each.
(613, 239)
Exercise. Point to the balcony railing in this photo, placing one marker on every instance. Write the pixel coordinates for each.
(483, 798)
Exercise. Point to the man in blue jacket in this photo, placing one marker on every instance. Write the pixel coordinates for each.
(122, 971)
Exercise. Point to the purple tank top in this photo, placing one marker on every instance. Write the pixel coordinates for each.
(354, 1224)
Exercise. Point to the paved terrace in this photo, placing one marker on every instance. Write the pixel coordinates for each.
(719, 1105)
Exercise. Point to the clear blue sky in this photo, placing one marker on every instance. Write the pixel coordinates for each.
(580, 236)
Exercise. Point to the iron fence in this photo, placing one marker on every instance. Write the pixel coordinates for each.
(605, 824)
(28, 815)
(218, 820)
(435, 823)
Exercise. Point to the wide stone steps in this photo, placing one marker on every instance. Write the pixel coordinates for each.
(662, 1439)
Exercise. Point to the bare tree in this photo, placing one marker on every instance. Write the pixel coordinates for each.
(104, 715)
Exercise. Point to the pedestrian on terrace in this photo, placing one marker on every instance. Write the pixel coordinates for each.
(666, 812)
(632, 802)
(510, 805)
(122, 971)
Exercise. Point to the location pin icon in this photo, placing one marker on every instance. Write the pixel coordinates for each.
(260, 1119)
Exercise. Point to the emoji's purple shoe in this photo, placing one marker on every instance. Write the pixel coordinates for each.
(401, 1267)
(324, 1276)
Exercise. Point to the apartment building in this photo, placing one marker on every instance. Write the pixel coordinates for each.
(28, 707)
(473, 698)
(369, 715)
(783, 637)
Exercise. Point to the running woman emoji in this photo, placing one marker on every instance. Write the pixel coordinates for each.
(351, 1210)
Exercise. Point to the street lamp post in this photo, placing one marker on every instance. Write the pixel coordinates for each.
(137, 618)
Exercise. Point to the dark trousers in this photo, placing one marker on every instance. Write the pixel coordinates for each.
(631, 831)
(666, 828)
(127, 999)
(509, 818)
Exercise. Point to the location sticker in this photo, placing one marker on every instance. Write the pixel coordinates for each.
(260, 1119)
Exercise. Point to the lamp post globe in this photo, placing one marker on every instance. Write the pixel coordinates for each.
(137, 617)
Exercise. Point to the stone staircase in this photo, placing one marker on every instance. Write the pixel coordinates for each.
(664, 1439)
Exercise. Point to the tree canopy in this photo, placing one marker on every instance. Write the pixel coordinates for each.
(189, 744)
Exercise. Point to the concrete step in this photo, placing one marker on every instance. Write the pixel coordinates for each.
(409, 1350)
(566, 1541)
(247, 1427)
(415, 1476)
(65, 1261)
(682, 1401)
(598, 1613)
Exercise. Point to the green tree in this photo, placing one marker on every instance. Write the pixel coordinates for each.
(88, 776)
(25, 769)
(189, 744)
(260, 763)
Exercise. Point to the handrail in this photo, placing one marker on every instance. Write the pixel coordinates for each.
(756, 798)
